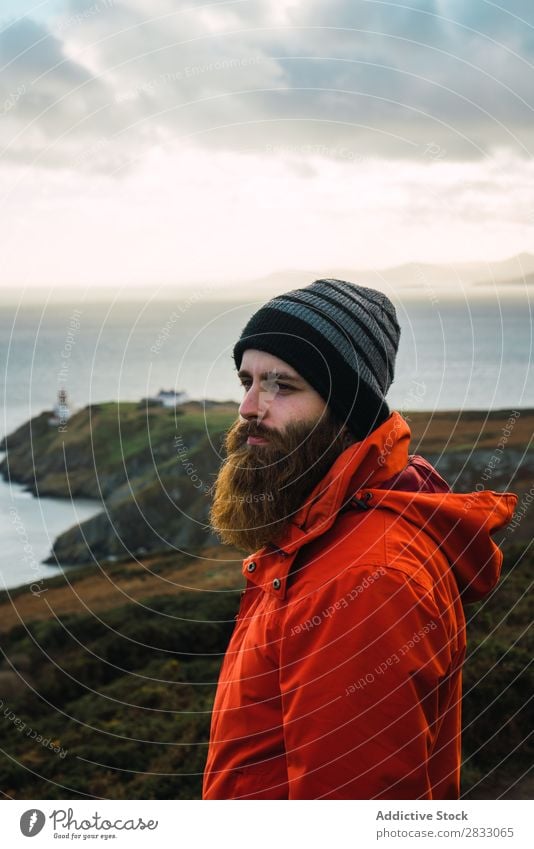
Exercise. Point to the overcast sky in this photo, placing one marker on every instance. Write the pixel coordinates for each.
(160, 141)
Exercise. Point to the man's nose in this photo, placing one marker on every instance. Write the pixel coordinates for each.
(251, 404)
(257, 400)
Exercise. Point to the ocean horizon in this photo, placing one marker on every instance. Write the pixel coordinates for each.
(452, 355)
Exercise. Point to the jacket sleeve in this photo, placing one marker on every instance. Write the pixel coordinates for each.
(363, 675)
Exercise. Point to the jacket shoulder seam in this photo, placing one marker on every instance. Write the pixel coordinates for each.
(421, 575)
(425, 583)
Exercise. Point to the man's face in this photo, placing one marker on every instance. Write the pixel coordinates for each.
(275, 395)
(282, 445)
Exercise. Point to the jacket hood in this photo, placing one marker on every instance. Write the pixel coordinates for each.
(378, 473)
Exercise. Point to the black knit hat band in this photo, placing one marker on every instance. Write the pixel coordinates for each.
(341, 338)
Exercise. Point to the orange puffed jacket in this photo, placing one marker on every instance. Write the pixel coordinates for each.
(342, 679)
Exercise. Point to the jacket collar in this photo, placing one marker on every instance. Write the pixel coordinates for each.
(381, 455)
(367, 463)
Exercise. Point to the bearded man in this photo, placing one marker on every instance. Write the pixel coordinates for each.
(342, 679)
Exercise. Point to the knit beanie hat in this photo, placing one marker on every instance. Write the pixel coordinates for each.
(341, 338)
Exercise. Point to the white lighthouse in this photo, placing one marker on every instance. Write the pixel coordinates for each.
(61, 409)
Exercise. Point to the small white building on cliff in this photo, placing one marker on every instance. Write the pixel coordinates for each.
(170, 398)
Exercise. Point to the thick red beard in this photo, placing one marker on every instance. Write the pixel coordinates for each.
(260, 487)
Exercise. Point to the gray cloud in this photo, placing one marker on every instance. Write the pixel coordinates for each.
(52, 106)
(376, 78)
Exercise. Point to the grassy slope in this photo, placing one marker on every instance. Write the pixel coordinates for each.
(118, 670)
(125, 687)
(102, 443)
(117, 664)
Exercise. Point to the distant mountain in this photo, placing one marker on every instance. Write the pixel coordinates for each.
(410, 276)
(521, 280)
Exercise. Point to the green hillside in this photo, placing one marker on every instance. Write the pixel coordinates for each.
(124, 695)
(152, 468)
(108, 676)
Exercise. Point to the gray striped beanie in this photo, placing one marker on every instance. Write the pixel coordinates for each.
(341, 338)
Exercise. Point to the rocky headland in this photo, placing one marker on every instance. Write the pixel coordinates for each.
(152, 468)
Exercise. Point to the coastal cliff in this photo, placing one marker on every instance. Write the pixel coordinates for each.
(152, 469)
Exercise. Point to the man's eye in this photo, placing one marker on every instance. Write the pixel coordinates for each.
(273, 385)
